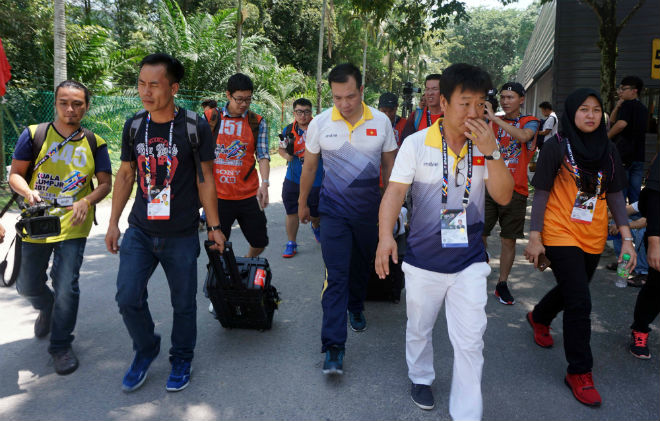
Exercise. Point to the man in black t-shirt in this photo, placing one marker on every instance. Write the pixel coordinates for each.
(629, 121)
(163, 221)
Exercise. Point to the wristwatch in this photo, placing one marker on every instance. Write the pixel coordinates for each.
(213, 228)
(494, 156)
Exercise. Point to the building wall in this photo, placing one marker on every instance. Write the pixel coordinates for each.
(576, 60)
(539, 91)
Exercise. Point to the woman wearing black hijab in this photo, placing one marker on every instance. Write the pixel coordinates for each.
(647, 306)
(578, 176)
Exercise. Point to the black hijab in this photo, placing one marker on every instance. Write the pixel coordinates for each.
(592, 151)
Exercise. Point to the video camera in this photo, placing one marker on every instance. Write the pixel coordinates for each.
(492, 98)
(287, 142)
(34, 222)
(408, 91)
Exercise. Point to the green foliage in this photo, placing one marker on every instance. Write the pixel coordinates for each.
(492, 39)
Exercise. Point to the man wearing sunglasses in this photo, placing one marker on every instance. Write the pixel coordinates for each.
(292, 148)
(241, 140)
(629, 120)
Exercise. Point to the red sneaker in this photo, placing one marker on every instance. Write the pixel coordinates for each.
(541, 333)
(583, 388)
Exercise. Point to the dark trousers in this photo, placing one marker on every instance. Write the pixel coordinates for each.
(348, 247)
(139, 255)
(573, 270)
(647, 306)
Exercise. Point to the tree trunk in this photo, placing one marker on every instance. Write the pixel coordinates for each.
(608, 55)
(390, 64)
(59, 41)
(88, 12)
(364, 54)
(319, 61)
(239, 35)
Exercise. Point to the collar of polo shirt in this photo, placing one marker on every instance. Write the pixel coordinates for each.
(434, 140)
(366, 115)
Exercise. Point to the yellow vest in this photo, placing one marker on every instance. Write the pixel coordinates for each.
(68, 172)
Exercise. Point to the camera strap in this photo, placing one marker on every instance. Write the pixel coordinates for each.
(17, 262)
(55, 149)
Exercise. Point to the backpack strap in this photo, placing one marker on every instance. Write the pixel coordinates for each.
(138, 118)
(418, 118)
(193, 139)
(254, 120)
(91, 140)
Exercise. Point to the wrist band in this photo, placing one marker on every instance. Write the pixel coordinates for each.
(89, 205)
(213, 228)
(628, 239)
(266, 181)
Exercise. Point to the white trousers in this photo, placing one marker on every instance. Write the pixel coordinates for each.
(464, 295)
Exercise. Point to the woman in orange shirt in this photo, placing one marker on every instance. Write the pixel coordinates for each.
(578, 176)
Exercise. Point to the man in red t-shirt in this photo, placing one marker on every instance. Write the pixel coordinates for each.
(425, 117)
(516, 135)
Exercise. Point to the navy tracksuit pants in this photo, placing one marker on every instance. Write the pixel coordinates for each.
(348, 246)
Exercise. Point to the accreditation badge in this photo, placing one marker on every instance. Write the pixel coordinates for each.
(158, 207)
(453, 228)
(583, 208)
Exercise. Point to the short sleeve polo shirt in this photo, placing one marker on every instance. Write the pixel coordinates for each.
(351, 160)
(419, 163)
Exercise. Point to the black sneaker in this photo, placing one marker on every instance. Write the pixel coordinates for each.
(65, 362)
(42, 324)
(638, 345)
(502, 292)
(422, 395)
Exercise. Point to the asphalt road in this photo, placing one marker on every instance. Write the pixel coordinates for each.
(242, 374)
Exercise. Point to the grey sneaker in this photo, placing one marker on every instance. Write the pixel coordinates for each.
(422, 395)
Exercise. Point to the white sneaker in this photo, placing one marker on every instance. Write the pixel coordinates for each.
(211, 310)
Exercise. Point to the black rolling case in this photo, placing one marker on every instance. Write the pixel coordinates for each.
(240, 289)
(388, 289)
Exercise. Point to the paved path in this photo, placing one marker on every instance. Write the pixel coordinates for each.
(240, 374)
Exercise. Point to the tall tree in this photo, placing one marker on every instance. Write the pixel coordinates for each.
(609, 30)
(319, 60)
(59, 38)
(239, 34)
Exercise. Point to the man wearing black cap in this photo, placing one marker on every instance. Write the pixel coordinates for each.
(516, 136)
(388, 103)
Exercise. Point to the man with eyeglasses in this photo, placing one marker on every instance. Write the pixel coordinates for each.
(629, 121)
(431, 111)
(292, 148)
(445, 261)
(516, 137)
(241, 139)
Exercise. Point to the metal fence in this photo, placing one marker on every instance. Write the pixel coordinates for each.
(106, 115)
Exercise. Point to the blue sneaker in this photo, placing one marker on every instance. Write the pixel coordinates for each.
(179, 376)
(290, 250)
(334, 360)
(358, 322)
(137, 372)
(317, 232)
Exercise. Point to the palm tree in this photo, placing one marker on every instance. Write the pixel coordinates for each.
(59, 39)
(319, 62)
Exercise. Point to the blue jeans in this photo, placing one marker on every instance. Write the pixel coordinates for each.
(635, 173)
(31, 284)
(348, 247)
(139, 255)
(638, 239)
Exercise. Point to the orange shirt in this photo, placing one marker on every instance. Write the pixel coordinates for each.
(559, 230)
(515, 154)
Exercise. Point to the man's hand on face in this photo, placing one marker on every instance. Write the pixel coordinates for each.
(482, 135)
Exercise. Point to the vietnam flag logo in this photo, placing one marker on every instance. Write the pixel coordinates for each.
(371, 132)
(478, 160)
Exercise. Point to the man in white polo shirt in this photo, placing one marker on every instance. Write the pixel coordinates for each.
(448, 167)
(354, 140)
